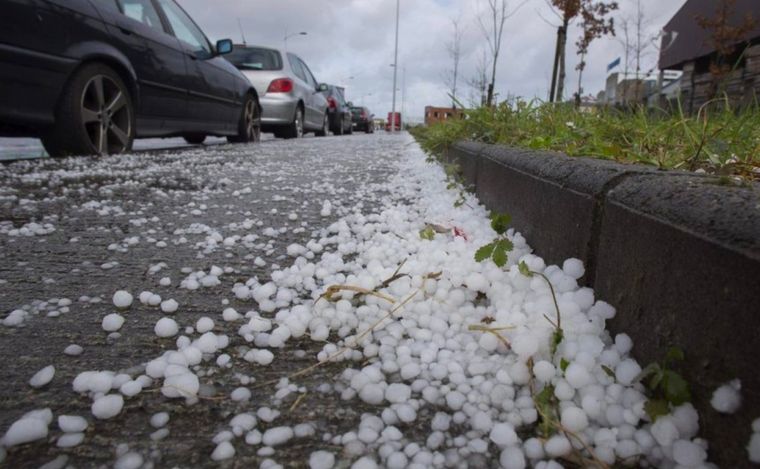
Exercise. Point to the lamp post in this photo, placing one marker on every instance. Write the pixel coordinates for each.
(395, 72)
(287, 36)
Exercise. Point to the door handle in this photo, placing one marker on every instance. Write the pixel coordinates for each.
(125, 30)
(191, 55)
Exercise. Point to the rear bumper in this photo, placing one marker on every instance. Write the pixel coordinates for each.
(30, 84)
(278, 109)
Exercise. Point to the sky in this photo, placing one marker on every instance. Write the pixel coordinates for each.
(351, 43)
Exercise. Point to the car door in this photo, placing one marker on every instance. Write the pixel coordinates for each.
(303, 89)
(211, 88)
(317, 101)
(138, 30)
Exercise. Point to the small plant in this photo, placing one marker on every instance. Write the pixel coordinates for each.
(558, 333)
(667, 388)
(498, 249)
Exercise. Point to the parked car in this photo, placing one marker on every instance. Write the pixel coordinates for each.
(90, 76)
(292, 100)
(395, 119)
(338, 111)
(362, 119)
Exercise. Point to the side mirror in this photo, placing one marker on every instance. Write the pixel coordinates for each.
(322, 87)
(350, 104)
(224, 46)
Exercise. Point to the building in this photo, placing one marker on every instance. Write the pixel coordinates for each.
(438, 114)
(687, 46)
(622, 89)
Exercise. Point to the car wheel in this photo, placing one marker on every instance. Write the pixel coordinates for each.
(350, 128)
(249, 126)
(325, 127)
(194, 139)
(340, 130)
(295, 129)
(95, 115)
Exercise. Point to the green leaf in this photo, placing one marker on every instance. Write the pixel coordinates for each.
(544, 402)
(524, 269)
(563, 364)
(556, 340)
(656, 408)
(609, 371)
(676, 388)
(500, 222)
(647, 371)
(484, 252)
(459, 203)
(675, 354)
(427, 233)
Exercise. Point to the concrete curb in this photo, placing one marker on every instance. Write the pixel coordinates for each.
(677, 254)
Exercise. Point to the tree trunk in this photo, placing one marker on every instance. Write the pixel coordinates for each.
(493, 80)
(554, 68)
(562, 47)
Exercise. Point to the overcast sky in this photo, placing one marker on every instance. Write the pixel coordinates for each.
(350, 42)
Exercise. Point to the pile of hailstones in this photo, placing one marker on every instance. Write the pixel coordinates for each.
(426, 367)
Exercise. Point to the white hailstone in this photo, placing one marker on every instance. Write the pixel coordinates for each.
(455, 400)
(481, 422)
(181, 385)
(512, 458)
(204, 325)
(397, 460)
(326, 209)
(169, 306)
(144, 297)
(107, 406)
(253, 438)
(365, 462)
(15, 318)
(727, 398)
(129, 460)
(627, 371)
(573, 268)
(321, 460)
(259, 324)
(73, 350)
(686, 420)
(166, 327)
(577, 375)
(223, 450)
(244, 422)
(557, 446)
(122, 299)
(277, 436)
(397, 393)
(240, 394)
(488, 342)
(230, 315)
(25, 430)
(689, 454)
(503, 434)
(372, 395)
(72, 423)
(131, 388)
(409, 371)
(165, 281)
(525, 345)
(623, 343)
(267, 415)
(112, 322)
(753, 448)
(159, 420)
(574, 419)
(42, 377)
(664, 431)
(544, 371)
(476, 282)
(70, 440)
(261, 356)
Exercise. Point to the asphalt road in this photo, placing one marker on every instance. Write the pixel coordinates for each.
(114, 218)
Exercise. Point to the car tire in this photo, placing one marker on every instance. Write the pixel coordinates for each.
(350, 129)
(95, 115)
(325, 127)
(194, 139)
(295, 129)
(340, 130)
(249, 124)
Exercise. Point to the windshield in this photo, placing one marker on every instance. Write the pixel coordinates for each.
(249, 58)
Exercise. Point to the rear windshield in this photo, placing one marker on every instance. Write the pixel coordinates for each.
(249, 58)
(356, 111)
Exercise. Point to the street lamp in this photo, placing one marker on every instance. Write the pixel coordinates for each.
(395, 70)
(287, 36)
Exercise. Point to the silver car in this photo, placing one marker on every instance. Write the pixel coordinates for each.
(292, 101)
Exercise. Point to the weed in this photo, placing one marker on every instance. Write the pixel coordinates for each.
(667, 388)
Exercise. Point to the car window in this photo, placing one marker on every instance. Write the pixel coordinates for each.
(185, 30)
(295, 64)
(107, 4)
(142, 11)
(250, 58)
(309, 76)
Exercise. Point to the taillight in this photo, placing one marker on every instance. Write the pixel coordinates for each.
(364, 115)
(281, 85)
(332, 103)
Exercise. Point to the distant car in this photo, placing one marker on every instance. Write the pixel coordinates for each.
(362, 119)
(338, 111)
(90, 76)
(292, 100)
(394, 119)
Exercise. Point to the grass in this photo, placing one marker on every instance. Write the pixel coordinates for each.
(718, 140)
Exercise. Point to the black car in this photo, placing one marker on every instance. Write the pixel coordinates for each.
(338, 111)
(362, 119)
(89, 76)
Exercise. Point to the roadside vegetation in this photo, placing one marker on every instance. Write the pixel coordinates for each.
(717, 140)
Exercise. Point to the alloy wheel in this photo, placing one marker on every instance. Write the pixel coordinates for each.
(252, 121)
(106, 115)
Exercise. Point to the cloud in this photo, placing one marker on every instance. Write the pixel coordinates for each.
(355, 38)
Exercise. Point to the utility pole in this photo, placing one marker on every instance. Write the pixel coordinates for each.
(395, 73)
(403, 93)
(242, 34)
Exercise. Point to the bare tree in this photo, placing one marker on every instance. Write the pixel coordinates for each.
(595, 24)
(492, 25)
(479, 82)
(454, 49)
(636, 46)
